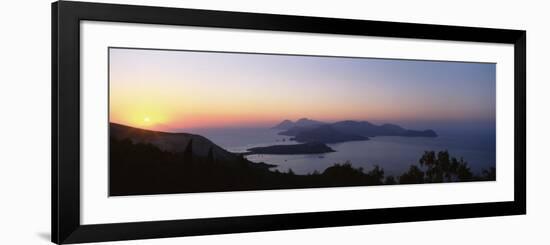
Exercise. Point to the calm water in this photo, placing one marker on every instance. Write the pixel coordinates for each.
(394, 154)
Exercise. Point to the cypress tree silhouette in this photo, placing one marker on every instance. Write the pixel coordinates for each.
(390, 180)
(188, 153)
(211, 159)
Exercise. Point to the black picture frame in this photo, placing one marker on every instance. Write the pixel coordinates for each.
(66, 226)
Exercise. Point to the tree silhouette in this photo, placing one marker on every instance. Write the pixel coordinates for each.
(444, 168)
(290, 172)
(376, 175)
(343, 172)
(188, 153)
(210, 156)
(390, 180)
(436, 166)
(463, 172)
(413, 176)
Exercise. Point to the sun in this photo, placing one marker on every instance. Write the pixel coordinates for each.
(142, 117)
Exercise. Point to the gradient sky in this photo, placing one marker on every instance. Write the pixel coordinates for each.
(171, 90)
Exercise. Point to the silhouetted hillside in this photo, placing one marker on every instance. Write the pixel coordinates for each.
(142, 169)
(148, 162)
(172, 142)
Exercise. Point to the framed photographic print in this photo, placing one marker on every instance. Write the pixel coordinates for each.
(175, 122)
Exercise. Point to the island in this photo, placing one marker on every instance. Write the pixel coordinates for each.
(305, 148)
(324, 134)
(306, 130)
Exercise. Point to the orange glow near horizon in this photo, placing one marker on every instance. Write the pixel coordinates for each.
(171, 112)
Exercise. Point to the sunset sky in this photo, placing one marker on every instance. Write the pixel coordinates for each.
(173, 90)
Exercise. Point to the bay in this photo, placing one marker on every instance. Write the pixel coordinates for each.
(392, 153)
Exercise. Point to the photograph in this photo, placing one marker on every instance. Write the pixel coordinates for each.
(189, 121)
(170, 120)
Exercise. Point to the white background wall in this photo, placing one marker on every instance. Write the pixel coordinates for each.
(25, 121)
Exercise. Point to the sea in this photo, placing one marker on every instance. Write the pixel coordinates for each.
(394, 154)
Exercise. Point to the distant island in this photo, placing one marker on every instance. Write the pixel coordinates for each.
(306, 148)
(303, 122)
(324, 133)
(306, 130)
